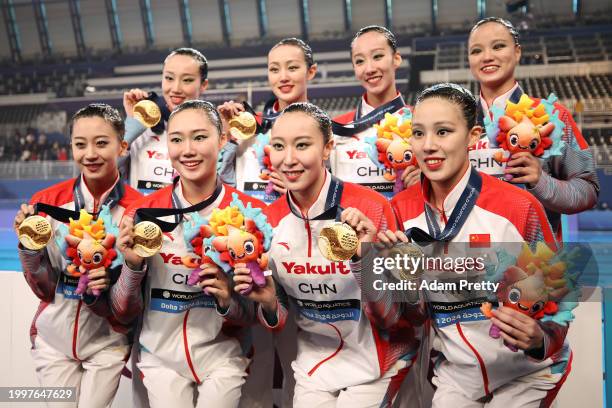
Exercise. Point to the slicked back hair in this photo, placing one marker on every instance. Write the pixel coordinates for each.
(507, 24)
(389, 36)
(296, 42)
(455, 94)
(323, 120)
(206, 107)
(100, 110)
(196, 55)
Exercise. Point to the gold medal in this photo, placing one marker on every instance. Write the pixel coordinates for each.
(147, 239)
(243, 126)
(406, 251)
(338, 242)
(34, 232)
(147, 113)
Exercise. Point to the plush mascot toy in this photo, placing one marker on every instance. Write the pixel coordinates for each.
(89, 247)
(390, 149)
(530, 125)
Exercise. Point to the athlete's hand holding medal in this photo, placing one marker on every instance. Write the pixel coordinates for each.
(33, 231)
(241, 125)
(397, 243)
(140, 105)
(139, 241)
(340, 241)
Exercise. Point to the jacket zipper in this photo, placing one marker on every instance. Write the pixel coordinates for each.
(307, 224)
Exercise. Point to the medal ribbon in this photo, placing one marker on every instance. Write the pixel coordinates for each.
(153, 214)
(268, 116)
(360, 124)
(63, 214)
(165, 113)
(332, 203)
(460, 213)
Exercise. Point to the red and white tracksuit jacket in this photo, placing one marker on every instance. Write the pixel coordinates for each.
(469, 358)
(248, 168)
(349, 160)
(182, 327)
(74, 325)
(339, 342)
(150, 167)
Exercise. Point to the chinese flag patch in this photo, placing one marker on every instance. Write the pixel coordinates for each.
(480, 240)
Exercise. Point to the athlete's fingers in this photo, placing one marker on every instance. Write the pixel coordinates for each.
(509, 329)
(516, 170)
(209, 268)
(401, 236)
(216, 292)
(277, 182)
(140, 94)
(207, 282)
(344, 214)
(411, 175)
(21, 215)
(98, 273)
(226, 110)
(127, 222)
(351, 216)
(362, 226)
(237, 108)
(125, 242)
(278, 189)
(242, 279)
(385, 239)
(511, 340)
(276, 176)
(27, 209)
(241, 269)
(413, 179)
(509, 316)
(276, 179)
(519, 326)
(390, 237)
(210, 275)
(241, 287)
(101, 284)
(125, 231)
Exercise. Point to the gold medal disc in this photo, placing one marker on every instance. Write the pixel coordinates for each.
(35, 232)
(147, 239)
(147, 113)
(243, 126)
(337, 242)
(406, 250)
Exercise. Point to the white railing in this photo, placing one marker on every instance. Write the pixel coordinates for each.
(37, 170)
